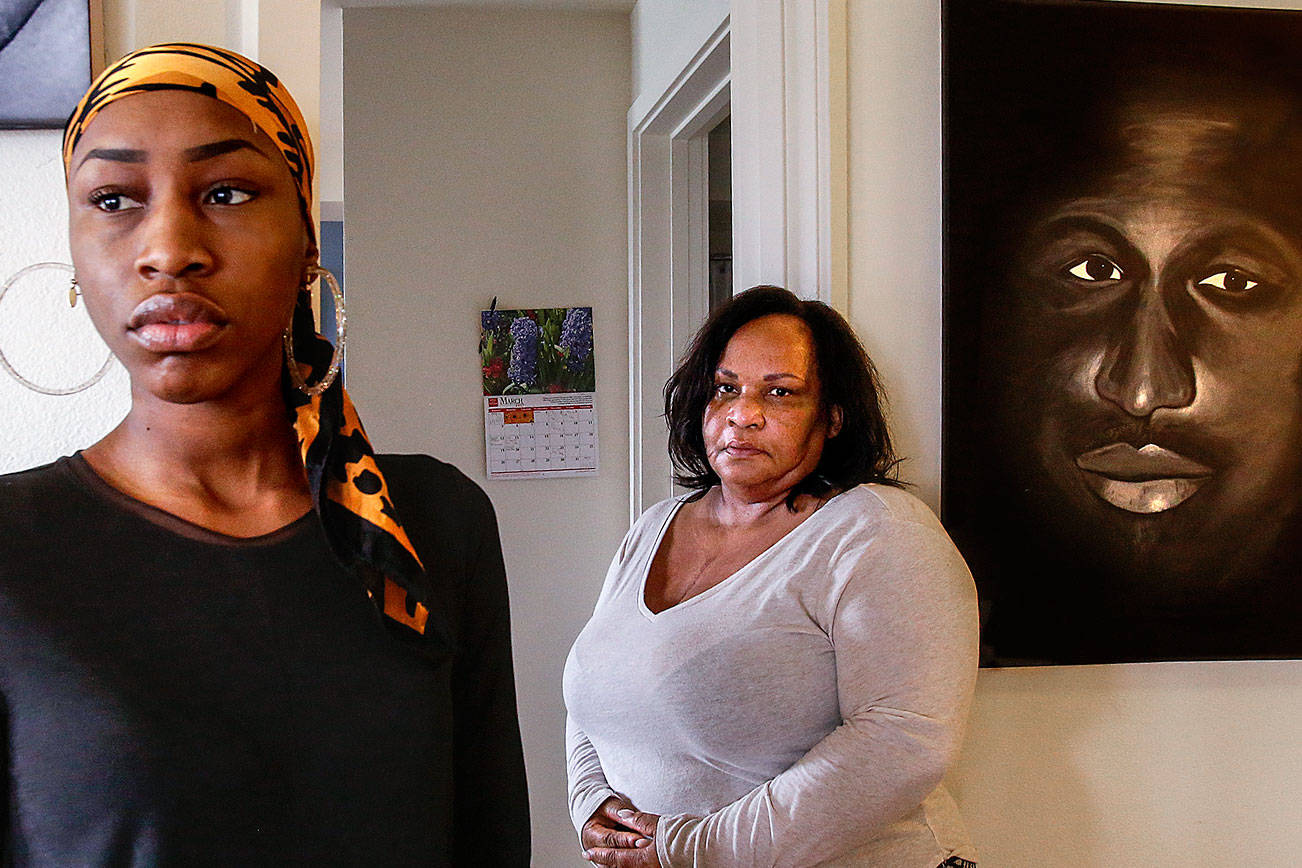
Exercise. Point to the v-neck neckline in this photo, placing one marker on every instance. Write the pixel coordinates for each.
(728, 580)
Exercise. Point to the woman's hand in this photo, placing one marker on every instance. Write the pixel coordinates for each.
(619, 835)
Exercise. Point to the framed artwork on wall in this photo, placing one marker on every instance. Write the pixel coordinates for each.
(49, 50)
(1123, 327)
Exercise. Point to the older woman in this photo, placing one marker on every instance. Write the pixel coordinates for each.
(230, 633)
(780, 663)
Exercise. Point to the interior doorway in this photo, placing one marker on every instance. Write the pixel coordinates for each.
(674, 277)
(719, 166)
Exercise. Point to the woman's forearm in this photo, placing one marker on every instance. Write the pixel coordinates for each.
(587, 780)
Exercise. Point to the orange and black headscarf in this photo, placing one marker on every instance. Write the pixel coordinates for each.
(348, 490)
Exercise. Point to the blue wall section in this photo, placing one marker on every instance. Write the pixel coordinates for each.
(332, 259)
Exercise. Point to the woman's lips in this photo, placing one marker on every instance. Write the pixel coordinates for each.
(182, 322)
(1146, 480)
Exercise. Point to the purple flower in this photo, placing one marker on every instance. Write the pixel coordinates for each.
(494, 322)
(576, 337)
(524, 352)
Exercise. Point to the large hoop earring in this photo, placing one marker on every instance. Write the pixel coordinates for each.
(341, 331)
(73, 292)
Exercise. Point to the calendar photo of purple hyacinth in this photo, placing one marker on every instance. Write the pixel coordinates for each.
(537, 351)
(523, 369)
(45, 61)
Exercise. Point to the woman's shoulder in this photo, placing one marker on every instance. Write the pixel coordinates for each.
(48, 484)
(446, 515)
(423, 479)
(658, 511)
(419, 465)
(40, 507)
(654, 517)
(887, 547)
(647, 527)
(874, 505)
(874, 517)
(55, 470)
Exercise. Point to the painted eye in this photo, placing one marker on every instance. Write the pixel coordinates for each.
(724, 388)
(779, 392)
(228, 196)
(113, 202)
(1095, 268)
(1230, 280)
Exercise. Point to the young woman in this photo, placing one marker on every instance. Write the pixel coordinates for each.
(229, 632)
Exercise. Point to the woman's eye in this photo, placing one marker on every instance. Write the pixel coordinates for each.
(1095, 268)
(1230, 280)
(779, 392)
(228, 196)
(724, 388)
(114, 202)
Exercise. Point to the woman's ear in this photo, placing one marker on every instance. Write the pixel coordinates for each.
(834, 419)
(311, 259)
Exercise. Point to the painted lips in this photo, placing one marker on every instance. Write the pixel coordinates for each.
(1146, 480)
(182, 322)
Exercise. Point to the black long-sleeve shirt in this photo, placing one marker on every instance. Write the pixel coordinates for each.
(174, 696)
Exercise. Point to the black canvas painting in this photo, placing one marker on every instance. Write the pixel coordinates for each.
(45, 61)
(1123, 327)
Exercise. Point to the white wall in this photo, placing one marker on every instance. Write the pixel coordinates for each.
(330, 145)
(1148, 764)
(894, 219)
(45, 340)
(485, 156)
(282, 34)
(666, 34)
(1151, 764)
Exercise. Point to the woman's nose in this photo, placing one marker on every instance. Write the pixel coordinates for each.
(1146, 367)
(172, 240)
(745, 412)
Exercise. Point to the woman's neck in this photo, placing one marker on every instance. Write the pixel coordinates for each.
(228, 467)
(740, 508)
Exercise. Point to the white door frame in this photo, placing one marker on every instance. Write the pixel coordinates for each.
(790, 167)
(781, 69)
(668, 248)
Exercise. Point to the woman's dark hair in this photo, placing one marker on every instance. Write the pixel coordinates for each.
(860, 452)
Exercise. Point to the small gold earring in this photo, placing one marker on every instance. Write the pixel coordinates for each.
(74, 290)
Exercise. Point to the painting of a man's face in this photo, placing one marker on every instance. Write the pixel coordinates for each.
(1161, 348)
(1138, 392)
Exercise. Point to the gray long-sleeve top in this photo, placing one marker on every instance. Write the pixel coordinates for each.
(802, 712)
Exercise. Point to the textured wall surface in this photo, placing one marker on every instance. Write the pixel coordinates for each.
(45, 340)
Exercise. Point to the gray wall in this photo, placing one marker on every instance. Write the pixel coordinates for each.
(485, 156)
